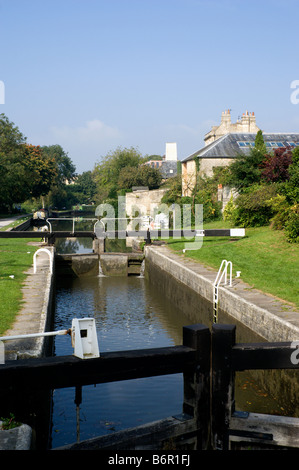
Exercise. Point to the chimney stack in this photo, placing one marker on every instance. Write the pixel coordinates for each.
(248, 119)
(226, 118)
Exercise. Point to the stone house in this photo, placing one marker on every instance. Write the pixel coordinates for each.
(247, 124)
(224, 143)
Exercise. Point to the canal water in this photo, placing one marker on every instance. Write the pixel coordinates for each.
(130, 313)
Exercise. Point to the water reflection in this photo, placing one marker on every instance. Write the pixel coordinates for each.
(129, 315)
(73, 245)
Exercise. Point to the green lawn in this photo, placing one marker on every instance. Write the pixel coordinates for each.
(266, 261)
(16, 257)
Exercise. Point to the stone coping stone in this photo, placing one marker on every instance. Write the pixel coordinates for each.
(18, 438)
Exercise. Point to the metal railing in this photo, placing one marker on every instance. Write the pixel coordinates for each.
(222, 272)
(73, 219)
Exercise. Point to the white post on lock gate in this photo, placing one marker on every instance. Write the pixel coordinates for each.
(84, 338)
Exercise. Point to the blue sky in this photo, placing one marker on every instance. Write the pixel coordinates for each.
(94, 75)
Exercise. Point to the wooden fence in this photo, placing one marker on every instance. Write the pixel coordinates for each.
(208, 361)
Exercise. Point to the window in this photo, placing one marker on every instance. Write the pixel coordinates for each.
(246, 144)
(269, 145)
(293, 144)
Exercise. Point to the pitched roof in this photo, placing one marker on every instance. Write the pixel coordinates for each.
(231, 145)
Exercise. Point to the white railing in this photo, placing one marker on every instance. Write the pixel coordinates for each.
(221, 273)
(50, 259)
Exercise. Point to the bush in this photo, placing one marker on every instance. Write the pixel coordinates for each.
(229, 212)
(173, 194)
(292, 225)
(281, 210)
(211, 207)
(253, 208)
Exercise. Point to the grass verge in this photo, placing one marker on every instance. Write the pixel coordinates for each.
(266, 260)
(16, 257)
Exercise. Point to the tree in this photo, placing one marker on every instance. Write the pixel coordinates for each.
(246, 169)
(85, 186)
(259, 143)
(275, 168)
(66, 170)
(174, 191)
(26, 170)
(60, 194)
(12, 171)
(143, 175)
(41, 171)
(291, 187)
(12, 177)
(106, 173)
(10, 135)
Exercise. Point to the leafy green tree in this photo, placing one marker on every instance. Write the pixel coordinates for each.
(143, 175)
(246, 170)
(147, 158)
(28, 171)
(85, 187)
(66, 170)
(41, 171)
(291, 187)
(10, 135)
(60, 194)
(63, 196)
(173, 194)
(259, 143)
(12, 177)
(12, 171)
(106, 173)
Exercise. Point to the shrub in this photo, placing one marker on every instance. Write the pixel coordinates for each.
(292, 225)
(281, 210)
(211, 207)
(253, 208)
(229, 212)
(174, 192)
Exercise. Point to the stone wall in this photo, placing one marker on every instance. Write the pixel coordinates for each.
(188, 177)
(121, 264)
(145, 201)
(207, 165)
(263, 314)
